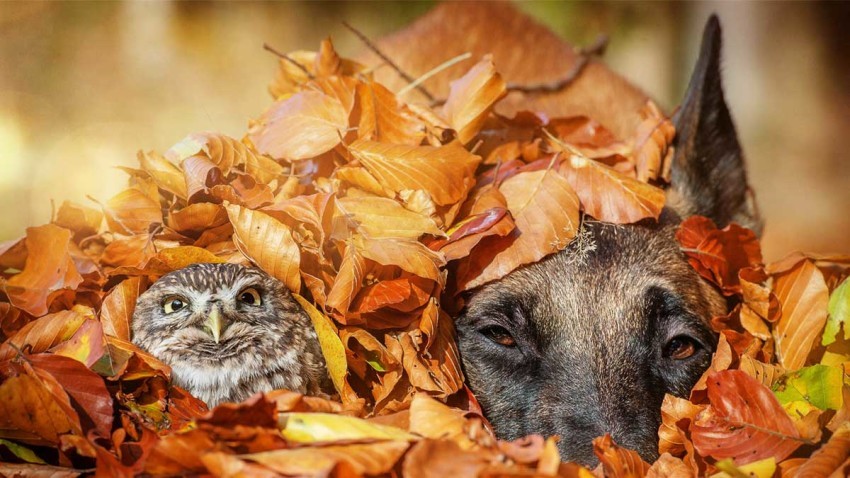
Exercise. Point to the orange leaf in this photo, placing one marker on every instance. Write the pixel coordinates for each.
(49, 268)
(84, 221)
(268, 243)
(745, 421)
(28, 407)
(670, 436)
(668, 466)
(652, 144)
(609, 195)
(804, 297)
(197, 217)
(829, 457)
(410, 256)
(445, 172)
(45, 332)
(132, 212)
(546, 211)
(472, 97)
(302, 126)
(362, 459)
(618, 462)
(116, 313)
(384, 118)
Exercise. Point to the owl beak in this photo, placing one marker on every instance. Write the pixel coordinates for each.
(214, 323)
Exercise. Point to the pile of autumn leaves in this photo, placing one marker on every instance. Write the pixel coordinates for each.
(377, 213)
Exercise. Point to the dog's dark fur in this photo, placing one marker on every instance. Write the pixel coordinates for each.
(593, 324)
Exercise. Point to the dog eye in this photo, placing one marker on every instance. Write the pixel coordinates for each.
(498, 335)
(173, 304)
(681, 347)
(250, 296)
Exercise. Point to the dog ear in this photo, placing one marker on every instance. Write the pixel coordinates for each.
(708, 173)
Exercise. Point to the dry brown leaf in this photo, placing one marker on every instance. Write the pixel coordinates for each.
(28, 406)
(197, 217)
(745, 421)
(829, 457)
(670, 436)
(609, 195)
(369, 458)
(652, 144)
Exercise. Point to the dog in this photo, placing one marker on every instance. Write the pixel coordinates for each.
(588, 340)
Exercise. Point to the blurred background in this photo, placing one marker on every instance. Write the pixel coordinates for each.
(84, 85)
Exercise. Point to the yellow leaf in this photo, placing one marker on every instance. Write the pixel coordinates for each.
(332, 348)
(757, 469)
(381, 217)
(327, 427)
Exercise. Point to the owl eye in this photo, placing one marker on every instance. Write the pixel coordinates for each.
(250, 296)
(173, 304)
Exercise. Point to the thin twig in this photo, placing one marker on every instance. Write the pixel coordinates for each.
(585, 54)
(437, 69)
(286, 57)
(387, 60)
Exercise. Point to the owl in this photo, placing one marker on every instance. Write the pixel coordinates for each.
(229, 331)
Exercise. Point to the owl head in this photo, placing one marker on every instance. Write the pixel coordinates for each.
(227, 331)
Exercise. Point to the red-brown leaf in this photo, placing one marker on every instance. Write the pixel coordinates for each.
(719, 254)
(745, 421)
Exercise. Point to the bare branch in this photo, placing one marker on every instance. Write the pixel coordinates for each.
(387, 60)
(286, 57)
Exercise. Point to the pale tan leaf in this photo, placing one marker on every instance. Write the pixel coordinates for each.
(165, 174)
(804, 296)
(302, 126)
(472, 97)
(132, 212)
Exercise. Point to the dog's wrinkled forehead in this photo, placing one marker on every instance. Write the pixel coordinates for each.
(209, 278)
(607, 272)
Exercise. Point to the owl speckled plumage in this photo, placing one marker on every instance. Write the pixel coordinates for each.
(229, 331)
